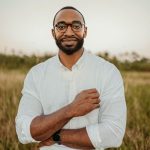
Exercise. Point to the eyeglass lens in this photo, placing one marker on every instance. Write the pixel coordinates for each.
(63, 26)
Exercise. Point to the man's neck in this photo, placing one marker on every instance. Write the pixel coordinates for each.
(69, 60)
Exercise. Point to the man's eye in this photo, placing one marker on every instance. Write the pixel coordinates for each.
(76, 26)
(61, 26)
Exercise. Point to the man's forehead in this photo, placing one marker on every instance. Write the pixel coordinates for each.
(68, 15)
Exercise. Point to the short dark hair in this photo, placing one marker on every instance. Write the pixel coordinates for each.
(68, 7)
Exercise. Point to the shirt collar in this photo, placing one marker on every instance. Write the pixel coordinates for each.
(77, 65)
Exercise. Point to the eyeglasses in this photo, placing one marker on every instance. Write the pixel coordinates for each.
(62, 27)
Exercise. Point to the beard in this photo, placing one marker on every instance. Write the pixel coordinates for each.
(68, 49)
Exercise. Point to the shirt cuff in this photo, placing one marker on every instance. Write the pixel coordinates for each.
(93, 133)
(23, 129)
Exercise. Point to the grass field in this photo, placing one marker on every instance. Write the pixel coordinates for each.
(137, 91)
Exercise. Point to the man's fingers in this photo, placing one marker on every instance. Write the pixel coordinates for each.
(93, 90)
(96, 105)
(47, 142)
(97, 101)
(94, 101)
(94, 95)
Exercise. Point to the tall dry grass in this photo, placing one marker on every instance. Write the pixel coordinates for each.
(10, 92)
(137, 90)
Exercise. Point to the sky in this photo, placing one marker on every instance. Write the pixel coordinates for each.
(115, 26)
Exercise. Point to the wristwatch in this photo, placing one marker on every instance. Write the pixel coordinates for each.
(56, 137)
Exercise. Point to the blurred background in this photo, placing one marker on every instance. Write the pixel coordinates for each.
(118, 31)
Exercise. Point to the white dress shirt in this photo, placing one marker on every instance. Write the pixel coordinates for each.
(50, 85)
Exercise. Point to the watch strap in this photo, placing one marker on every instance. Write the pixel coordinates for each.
(56, 137)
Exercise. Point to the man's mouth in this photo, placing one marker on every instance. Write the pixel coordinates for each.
(68, 39)
(69, 42)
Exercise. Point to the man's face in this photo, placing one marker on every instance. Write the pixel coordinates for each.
(69, 31)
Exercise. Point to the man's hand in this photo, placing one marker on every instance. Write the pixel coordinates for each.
(85, 102)
(47, 142)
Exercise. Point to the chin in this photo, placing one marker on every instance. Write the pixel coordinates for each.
(70, 51)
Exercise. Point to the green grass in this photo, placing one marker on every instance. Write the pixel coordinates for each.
(137, 91)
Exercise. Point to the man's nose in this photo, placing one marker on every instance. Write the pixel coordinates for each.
(69, 31)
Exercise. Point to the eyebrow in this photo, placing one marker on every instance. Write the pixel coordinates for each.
(70, 22)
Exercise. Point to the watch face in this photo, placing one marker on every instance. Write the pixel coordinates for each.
(56, 137)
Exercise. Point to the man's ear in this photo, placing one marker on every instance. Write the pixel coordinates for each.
(53, 33)
(85, 32)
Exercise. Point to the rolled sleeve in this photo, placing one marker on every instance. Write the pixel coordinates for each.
(23, 129)
(29, 107)
(93, 133)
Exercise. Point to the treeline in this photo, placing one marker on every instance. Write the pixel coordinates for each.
(25, 62)
(132, 62)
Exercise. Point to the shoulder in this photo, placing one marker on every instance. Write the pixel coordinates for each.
(100, 63)
(37, 72)
(104, 68)
(43, 66)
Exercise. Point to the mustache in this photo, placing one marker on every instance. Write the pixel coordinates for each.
(69, 39)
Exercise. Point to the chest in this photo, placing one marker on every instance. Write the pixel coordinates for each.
(60, 88)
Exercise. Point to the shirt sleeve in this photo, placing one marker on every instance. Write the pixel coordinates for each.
(110, 129)
(29, 107)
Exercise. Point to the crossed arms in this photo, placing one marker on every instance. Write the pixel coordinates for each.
(83, 103)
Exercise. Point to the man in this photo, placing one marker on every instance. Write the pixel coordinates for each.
(74, 100)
